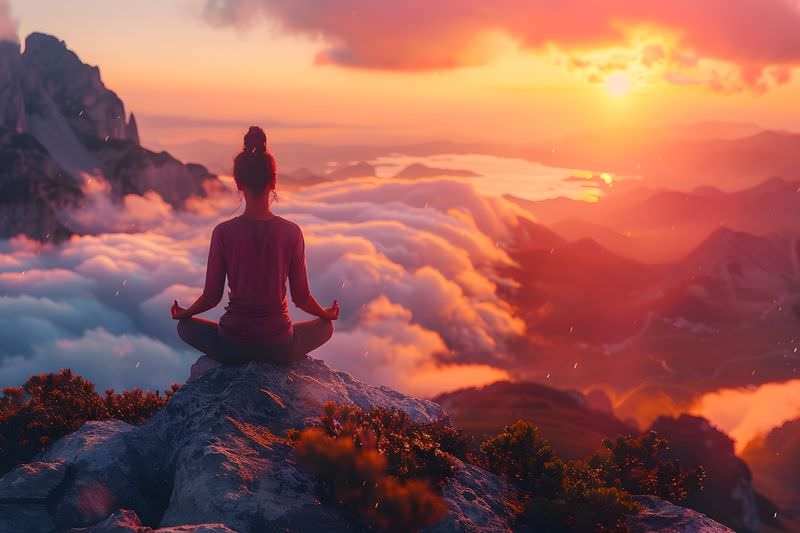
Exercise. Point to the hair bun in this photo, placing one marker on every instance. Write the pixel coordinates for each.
(255, 140)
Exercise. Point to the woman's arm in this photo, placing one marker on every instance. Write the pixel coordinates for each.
(201, 305)
(216, 270)
(298, 285)
(312, 307)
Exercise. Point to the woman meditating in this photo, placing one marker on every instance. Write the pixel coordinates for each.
(257, 251)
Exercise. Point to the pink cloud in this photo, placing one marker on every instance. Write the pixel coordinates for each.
(418, 35)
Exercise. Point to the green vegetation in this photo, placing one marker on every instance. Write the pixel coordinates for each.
(639, 465)
(49, 406)
(563, 496)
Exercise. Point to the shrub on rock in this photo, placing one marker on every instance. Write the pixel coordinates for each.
(641, 465)
(563, 496)
(412, 450)
(49, 406)
(355, 477)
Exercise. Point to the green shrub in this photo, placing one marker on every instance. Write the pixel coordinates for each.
(639, 465)
(49, 406)
(355, 477)
(563, 496)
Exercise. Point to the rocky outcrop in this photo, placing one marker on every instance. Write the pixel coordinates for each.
(658, 516)
(59, 122)
(217, 454)
(54, 72)
(216, 459)
(34, 190)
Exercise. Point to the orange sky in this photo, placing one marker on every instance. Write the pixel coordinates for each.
(376, 72)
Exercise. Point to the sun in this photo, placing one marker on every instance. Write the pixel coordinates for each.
(618, 84)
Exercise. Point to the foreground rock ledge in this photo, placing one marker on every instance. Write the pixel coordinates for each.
(215, 460)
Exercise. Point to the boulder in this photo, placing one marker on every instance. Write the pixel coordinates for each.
(659, 516)
(217, 454)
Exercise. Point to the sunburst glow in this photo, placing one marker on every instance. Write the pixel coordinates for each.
(618, 84)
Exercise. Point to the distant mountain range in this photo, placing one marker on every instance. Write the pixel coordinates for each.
(59, 123)
(656, 225)
(655, 337)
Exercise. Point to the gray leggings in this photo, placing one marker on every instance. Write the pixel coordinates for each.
(205, 336)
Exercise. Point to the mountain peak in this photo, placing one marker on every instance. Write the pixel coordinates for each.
(38, 41)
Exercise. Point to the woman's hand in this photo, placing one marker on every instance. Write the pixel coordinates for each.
(332, 313)
(177, 311)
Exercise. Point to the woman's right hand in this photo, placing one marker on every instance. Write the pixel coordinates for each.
(332, 313)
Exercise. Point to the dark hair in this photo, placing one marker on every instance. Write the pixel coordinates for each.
(254, 168)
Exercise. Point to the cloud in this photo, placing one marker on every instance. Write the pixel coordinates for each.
(116, 361)
(412, 264)
(8, 25)
(387, 347)
(419, 35)
(748, 413)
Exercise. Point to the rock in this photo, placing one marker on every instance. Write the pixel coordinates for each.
(24, 496)
(126, 521)
(12, 103)
(659, 516)
(476, 502)
(33, 481)
(30, 518)
(217, 454)
(76, 88)
(132, 130)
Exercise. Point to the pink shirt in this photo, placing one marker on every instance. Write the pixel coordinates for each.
(258, 256)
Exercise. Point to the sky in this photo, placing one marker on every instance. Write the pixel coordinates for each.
(366, 71)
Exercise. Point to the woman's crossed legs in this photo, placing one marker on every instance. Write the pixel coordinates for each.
(204, 335)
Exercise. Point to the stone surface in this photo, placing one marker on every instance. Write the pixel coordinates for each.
(658, 516)
(126, 521)
(217, 454)
(33, 481)
(216, 459)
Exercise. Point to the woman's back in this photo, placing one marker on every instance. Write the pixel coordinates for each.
(258, 256)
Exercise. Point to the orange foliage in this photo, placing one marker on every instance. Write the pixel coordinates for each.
(49, 406)
(355, 477)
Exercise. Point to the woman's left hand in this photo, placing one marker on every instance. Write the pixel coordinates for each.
(177, 311)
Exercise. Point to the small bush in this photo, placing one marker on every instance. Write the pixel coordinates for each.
(640, 465)
(412, 450)
(563, 496)
(49, 406)
(355, 477)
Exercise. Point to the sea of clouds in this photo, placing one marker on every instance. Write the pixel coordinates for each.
(412, 263)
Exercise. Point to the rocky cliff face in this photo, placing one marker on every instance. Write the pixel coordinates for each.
(58, 122)
(56, 74)
(216, 455)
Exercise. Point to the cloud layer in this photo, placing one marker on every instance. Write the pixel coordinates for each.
(749, 413)
(419, 35)
(412, 264)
